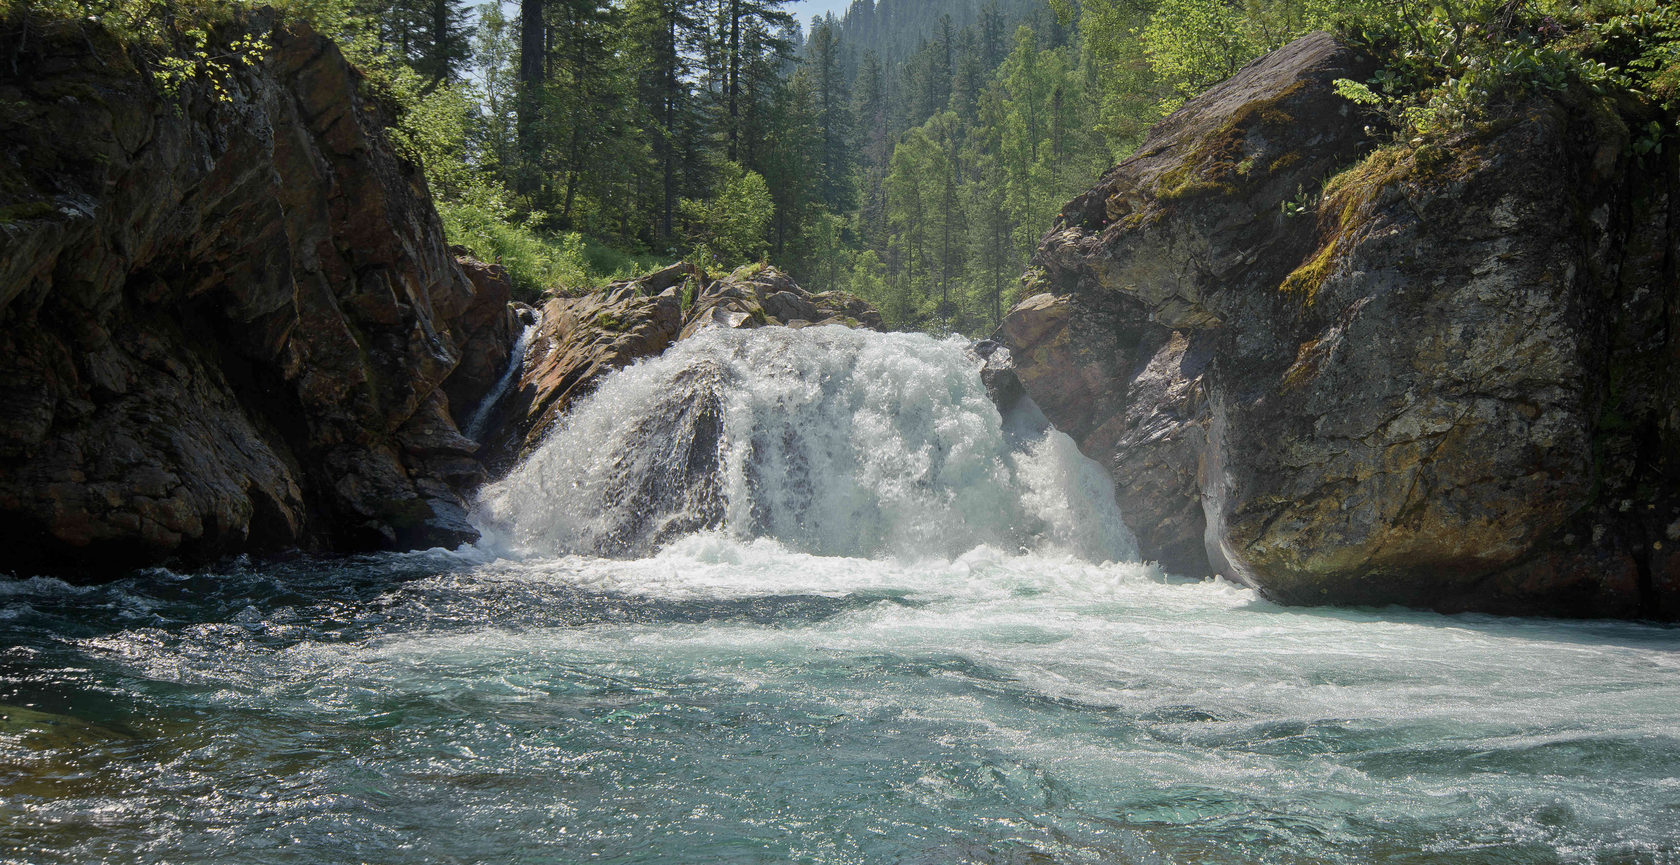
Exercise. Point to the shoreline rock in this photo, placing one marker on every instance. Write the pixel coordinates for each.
(228, 324)
(1453, 388)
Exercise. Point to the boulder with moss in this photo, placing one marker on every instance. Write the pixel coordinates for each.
(1450, 383)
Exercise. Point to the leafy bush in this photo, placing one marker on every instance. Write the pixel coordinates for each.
(537, 264)
(1446, 71)
(731, 226)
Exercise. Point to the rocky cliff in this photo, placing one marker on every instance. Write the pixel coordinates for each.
(228, 321)
(1451, 383)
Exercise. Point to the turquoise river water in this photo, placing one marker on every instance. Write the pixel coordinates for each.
(901, 630)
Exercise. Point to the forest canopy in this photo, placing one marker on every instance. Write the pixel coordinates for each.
(909, 151)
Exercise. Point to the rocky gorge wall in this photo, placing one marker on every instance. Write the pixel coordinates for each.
(1451, 384)
(228, 324)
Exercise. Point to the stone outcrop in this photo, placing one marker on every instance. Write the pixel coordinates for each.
(1446, 385)
(583, 338)
(228, 324)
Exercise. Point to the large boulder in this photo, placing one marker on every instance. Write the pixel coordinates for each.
(228, 318)
(1445, 386)
(578, 340)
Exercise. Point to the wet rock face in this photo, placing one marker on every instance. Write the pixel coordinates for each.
(1190, 226)
(226, 326)
(486, 331)
(1131, 393)
(1452, 388)
(581, 339)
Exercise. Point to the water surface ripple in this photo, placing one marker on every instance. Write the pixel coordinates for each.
(730, 701)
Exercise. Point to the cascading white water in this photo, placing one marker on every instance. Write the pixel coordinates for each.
(516, 357)
(829, 440)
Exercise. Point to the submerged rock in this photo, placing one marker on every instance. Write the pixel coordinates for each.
(1452, 388)
(228, 323)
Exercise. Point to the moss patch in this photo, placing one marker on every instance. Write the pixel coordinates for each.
(1348, 194)
(28, 210)
(1185, 189)
(611, 323)
(1307, 279)
(1283, 162)
(1218, 161)
(1346, 203)
(748, 271)
(1134, 221)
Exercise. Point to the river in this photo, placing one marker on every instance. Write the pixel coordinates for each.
(804, 597)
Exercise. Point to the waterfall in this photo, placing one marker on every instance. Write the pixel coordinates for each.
(516, 360)
(829, 440)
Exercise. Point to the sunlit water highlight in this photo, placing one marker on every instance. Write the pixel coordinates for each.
(733, 697)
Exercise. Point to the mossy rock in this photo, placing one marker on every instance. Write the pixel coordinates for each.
(1220, 164)
(27, 211)
(611, 323)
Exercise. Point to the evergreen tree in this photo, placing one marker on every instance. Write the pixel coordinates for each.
(870, 110)
(751, 34)
(432, 37)
(831, 103)
(659, 36)
(583, 103)
(908, 149)
(533, 65)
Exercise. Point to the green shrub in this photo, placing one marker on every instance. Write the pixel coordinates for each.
(537, 264)
(731, 226)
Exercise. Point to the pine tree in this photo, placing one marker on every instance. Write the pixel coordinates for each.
(659, 36)
(870, 110)
(583, 102)
(833, 116)
(751, 34)
(432, 37)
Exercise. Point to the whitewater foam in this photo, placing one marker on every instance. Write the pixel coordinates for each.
(831, 441)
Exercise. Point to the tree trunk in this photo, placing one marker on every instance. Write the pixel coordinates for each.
(672, 85)
(532, 41)
(734, 80)
(573, 175)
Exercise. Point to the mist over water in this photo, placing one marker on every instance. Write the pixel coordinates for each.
(865, 624)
